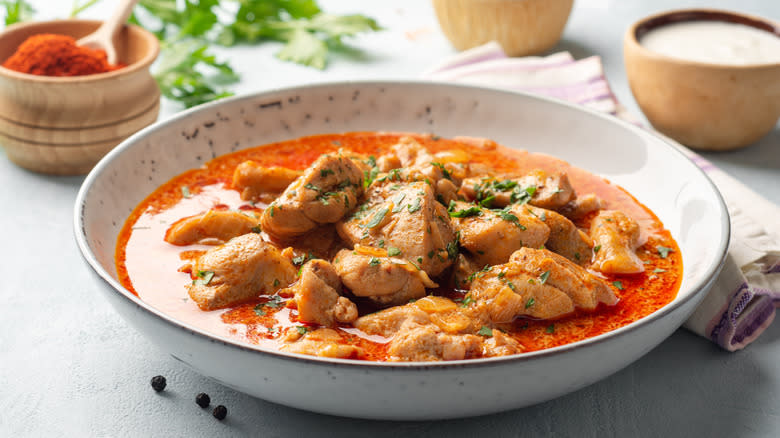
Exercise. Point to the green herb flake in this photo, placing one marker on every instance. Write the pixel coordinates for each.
(377, 218)
(596, 249)
(618, 285)
(276, 282)
(663, 251)
(204, 277)
(485, 331)
(302, 330)
(259, 310)
(271, 210)
(511, 285)
(326, 172)
(431, 254)
(550, 328)
(444, 171)
(374, 262)
(415, 206)
(543, 278)
(466, 301)
(393, 251)
(530, 302)
(257, 229)
(397, 201)
(658, 270)
(274, 302)
(185, 191)
(381, 243)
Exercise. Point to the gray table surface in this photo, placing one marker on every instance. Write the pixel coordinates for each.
(69, 366)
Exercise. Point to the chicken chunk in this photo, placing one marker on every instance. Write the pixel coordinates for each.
(427, 343)
(317, 296)
(550, 191)
(213, 227)
(242, 268)
(537, 283)
(406, 219)
(565, 238)
(581, 206)
(616, 236)
(326, 191)
(383, 280)
(585, 289)
(500, 344)
(324, 342)
(260, 183)
(491, 237)
(388, 322)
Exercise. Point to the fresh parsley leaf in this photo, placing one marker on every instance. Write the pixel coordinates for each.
(302, 330)
(530, 302)
(204, 277)
(485, 331)
(658, 270)
(414, 206)
(259, 310)
(663, 251)
(376, 219)
(374, 261)
(543, 278)
(393, 251)
(550, 328)
(596, 248)
(618, 285)
(466, 301)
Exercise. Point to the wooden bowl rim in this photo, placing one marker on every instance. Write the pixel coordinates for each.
(141, 64)
(641, 27)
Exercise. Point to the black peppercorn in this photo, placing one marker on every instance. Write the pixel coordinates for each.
(158, 383)
(202, 399)
(220, 412)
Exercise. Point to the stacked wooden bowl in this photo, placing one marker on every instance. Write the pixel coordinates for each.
(64, 125)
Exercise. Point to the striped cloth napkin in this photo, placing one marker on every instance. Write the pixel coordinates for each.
(742, 302)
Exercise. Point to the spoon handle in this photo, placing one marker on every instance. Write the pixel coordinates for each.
(115, 22)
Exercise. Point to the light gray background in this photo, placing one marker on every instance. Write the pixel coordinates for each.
(70, 367)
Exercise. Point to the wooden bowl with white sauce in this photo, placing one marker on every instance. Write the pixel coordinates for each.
(709, 79)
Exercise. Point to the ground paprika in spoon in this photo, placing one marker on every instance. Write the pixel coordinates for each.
(57, 55)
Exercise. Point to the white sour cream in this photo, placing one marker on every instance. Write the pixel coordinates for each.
(714, 42)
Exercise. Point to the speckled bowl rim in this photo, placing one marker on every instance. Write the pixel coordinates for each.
(142, 64)
(80, 234)
(641, 27)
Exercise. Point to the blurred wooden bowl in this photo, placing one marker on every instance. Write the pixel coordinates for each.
(703, 105)
(90, 111)
(67, 151)
(522, 27)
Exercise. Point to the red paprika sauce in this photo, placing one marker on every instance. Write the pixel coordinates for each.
(148, 266)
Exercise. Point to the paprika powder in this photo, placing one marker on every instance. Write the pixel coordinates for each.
(57, 55)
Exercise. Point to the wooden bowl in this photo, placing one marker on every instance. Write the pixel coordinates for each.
(95, 111)
(702, 105)
(522, 27)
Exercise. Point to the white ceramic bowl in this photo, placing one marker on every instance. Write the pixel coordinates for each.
(649, 167)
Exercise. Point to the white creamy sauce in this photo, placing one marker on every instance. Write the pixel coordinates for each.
(715, 42)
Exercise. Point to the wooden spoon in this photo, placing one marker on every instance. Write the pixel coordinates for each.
(103, 37)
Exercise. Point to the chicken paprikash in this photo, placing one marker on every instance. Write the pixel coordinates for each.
(397, 247)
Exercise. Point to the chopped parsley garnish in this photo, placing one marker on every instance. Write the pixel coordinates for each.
(444, 171)
(501, 274)
(274, 302)
(466, 301)
(658, 270)
(452, 248)
(485, 331)
(204, 277)
(530, 302)
(663, 251)
(543, 278)
(431, 253)
(393, 251)
(509, 217)
(550, 328)
(511, 285)
(377, 218)
(487, 202)
(419, 259)
(311, 186)
(374, 261)
(415, 205)
(185, 191)
(596, 248)
(298, 261)
(271, 210)
(618, 284)
(504, 185)
(397, 201)
(276, 282)
(259, 310)
(480, 273)
(381, 243)
(371, 161)
(369, 176)
(302, 330)
(257, 229)
(471, 211)
(326, 172)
